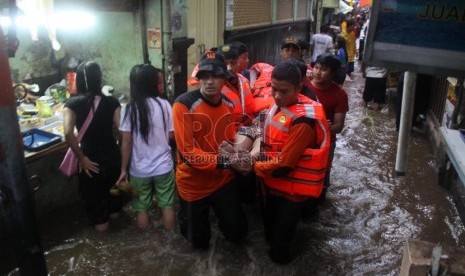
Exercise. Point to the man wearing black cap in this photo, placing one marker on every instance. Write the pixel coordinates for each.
(243, 52)
(290, 48)
(202, 121)
(237, 88)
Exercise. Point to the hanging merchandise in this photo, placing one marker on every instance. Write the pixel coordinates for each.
(344, 8)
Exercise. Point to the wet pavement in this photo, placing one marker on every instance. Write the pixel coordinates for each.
(361, 229)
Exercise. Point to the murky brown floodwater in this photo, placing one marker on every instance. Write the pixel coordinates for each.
(361, 230)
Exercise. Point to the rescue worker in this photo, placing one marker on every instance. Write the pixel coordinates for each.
(290, 48)
(202, 120)
(237, 88)
(300, 63)
(260, 75)
(243, 52)
(193, 81)
(296, 150)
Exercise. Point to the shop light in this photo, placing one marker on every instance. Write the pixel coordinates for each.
(73, 20)
(21, 21)
(61, 20)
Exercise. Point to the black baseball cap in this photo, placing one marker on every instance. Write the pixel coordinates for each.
(290, 41)
(214, 63)
(228, 52)
(240, 47)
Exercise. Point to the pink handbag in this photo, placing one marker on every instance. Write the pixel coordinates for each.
(69, 165)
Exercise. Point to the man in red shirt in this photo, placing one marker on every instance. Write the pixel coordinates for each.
(333, 98)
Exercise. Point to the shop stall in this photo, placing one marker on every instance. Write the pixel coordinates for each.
(52, 190)
(452, 137)
(41, 125)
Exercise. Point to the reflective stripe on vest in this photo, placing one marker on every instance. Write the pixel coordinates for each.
(240, 114)
(308, 176)
(234, 98)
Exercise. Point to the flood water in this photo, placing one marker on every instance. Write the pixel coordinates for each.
(361, 230)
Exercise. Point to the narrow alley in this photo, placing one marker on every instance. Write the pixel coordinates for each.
(360, 230)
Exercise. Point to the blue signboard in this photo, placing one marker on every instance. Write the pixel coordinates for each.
(420, 36)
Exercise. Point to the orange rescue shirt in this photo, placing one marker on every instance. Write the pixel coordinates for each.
(199, 128)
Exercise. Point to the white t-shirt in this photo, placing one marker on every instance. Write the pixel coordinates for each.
(364, 30)
(154, 158)
(320, 43)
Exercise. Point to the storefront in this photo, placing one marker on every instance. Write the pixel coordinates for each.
(391, 45)
(446, 120)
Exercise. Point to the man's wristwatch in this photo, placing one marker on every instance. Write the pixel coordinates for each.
(223, 162)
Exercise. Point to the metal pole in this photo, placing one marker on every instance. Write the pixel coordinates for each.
(15, 192)
(167, 48)
(406, 116)
(143, 29)
(319, 15)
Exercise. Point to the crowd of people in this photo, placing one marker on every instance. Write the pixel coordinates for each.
(261, 134)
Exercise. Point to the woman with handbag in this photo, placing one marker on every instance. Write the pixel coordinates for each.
(94, 115)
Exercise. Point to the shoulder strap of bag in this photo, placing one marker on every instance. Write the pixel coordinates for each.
(89, 118)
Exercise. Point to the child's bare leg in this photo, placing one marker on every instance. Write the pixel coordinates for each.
(143, 219)
(102, 227)
(169, 218)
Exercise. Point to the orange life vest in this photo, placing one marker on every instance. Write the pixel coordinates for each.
(308, 176)
(261, 86)
(242, 100)
(193, 81)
